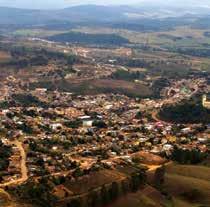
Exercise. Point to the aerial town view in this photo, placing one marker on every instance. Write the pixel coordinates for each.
(105, 103)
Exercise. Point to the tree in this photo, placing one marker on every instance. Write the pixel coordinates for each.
(71, 59)
(137, 179)
(125, 186)
(74, 203)
(159, 177)
(135, 182)
(114, 191)
(105, 198)
(99, 124)
(93, 199)
(184, 156)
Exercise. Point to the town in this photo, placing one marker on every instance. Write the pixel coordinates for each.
(104, 113)
(47, 133)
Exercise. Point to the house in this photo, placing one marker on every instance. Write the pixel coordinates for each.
(87, 123)
(203, 140)
(186, 130)
(56, 126)
(206, 101)
(41, 90)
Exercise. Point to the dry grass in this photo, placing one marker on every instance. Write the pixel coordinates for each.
(96, 179)
(177, 202)
(149, 158)
(194, 171)
(120, 86)
(147, 197)
(193, 190)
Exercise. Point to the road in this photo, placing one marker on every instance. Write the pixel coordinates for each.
(152, 168)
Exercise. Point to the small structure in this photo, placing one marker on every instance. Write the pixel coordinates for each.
(206, 101)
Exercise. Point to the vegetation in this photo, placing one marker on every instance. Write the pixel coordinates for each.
(126, 75)
(38, 193)
(22, 57)
(194, 171)
(98, 86)
(190, 111)
(199, 52)
(4, 156)
(185, 156)
(187, 184)
(27, 100)
(133, 62)
(82, 38)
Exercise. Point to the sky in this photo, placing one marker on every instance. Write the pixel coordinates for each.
(56, 4)
(46, 4)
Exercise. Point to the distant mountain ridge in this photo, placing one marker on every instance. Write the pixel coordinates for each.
(88, 13)
(71, 14)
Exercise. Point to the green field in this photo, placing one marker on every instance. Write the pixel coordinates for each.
(180, 36)
(36, 32)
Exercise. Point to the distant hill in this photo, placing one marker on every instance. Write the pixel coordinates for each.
(94, 12)
(83, 38)
(72, 14)
(147, 18)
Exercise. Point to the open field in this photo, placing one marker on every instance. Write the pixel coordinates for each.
(177, 202)
(99, 86)
(183, 35)
(37, 32)
(147, 197)
(194, 171)
(180, 35)
(188, 184)
(86, 184)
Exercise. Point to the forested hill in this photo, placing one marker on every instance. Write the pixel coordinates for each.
(190, 111)
(84, 38)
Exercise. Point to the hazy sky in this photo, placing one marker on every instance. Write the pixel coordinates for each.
(46, 4)
(59, 3)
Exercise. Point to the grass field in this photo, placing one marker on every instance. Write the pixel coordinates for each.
(93, 181)
(194, 171)
(186, 35)
(188, 185)
(147, 197)
(182, 36)
(37, 32)
(177, 202)
(99, 86)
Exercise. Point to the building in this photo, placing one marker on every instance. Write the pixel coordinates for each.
(206, 101)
